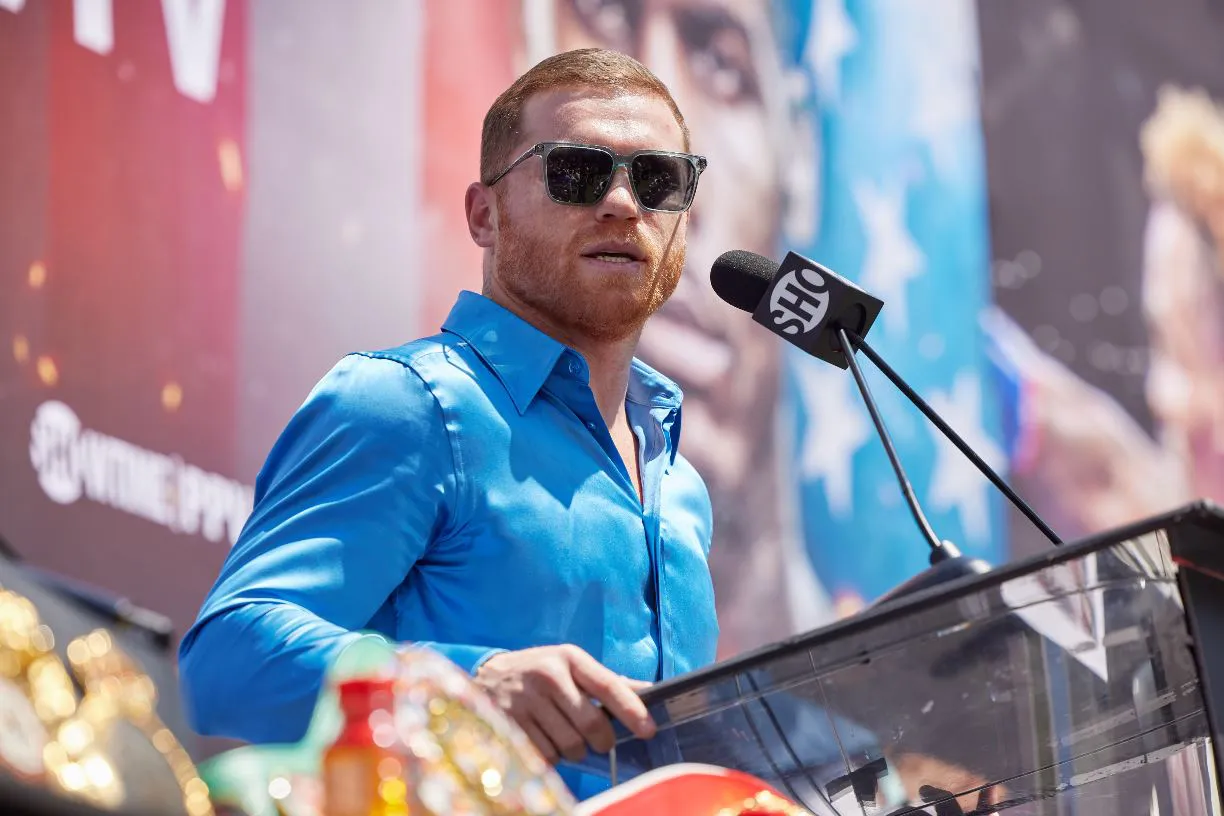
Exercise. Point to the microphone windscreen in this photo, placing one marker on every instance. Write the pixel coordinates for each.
(741, 278)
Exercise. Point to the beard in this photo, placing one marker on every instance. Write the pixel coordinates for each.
(547, 277)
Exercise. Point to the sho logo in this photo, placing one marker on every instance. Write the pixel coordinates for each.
(798, 302)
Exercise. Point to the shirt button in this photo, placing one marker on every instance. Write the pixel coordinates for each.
(573, 367)
(591, 426)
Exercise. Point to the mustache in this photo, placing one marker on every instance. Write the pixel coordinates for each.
(631, 235)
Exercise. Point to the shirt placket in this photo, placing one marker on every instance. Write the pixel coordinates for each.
(650, 463)
(653, 469)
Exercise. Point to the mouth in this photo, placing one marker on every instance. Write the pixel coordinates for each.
(614, 252)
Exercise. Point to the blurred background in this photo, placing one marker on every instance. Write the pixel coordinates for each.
(205, 203)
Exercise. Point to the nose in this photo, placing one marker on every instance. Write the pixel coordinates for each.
(619, 203)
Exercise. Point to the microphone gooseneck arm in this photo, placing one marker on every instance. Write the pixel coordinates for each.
(938, 549)
(860, 344)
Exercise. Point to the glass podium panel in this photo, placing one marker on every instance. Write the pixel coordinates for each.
(1065, 685)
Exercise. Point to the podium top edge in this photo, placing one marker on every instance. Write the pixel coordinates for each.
(1202, 512)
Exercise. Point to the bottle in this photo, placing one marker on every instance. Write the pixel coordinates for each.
(363, 771)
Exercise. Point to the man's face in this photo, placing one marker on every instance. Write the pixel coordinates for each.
(710, 54)
(594, 272)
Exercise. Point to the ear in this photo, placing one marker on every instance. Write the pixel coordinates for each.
(481, 206)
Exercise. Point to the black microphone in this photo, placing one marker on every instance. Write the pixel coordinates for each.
(817, 310)
(799, 300)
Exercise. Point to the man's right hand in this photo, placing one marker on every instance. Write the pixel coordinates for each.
(549, 691)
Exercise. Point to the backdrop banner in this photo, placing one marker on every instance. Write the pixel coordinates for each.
(205, 203)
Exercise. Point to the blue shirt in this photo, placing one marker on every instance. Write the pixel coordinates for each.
(460, 492)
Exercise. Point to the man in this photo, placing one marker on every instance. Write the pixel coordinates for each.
(727, 66)
(732, 67)
(508, 492)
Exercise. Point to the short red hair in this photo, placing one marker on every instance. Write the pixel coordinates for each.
(604, 72)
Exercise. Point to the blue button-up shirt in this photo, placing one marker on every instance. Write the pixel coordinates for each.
(460, 492)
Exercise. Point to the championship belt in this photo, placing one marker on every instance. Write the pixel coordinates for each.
(36, 693)
(468, 757)
(119, 710)
(108, 747)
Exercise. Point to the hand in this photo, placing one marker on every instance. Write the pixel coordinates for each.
(548, 691)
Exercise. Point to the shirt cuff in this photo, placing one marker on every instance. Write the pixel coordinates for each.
(468, 658)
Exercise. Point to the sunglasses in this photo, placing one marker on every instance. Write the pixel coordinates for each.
(582, 174)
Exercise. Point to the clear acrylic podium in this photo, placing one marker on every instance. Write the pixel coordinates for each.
(1089, 680)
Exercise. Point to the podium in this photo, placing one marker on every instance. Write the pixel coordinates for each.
(1087, 680)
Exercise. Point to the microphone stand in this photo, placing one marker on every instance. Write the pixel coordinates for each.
(946, 430)
(947, 562)
(940, 550)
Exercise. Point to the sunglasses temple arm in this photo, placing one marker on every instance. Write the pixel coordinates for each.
(524, 157)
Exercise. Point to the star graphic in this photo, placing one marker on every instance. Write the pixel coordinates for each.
(955, 482)
(945, 98)
(893, 258)
(837, 427)
(830, 37)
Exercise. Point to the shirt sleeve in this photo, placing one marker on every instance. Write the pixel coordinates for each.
(356, 488)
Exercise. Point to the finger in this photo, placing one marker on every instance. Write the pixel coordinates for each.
(637, 685)
(541, 741)
(585, 716)
(614, 692)
(558, 729)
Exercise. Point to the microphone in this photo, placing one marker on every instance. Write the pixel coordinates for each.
(800, 300)
(827, 316)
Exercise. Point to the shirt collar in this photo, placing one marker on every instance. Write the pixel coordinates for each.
(520, 355)
(523, 357)
(649, 387)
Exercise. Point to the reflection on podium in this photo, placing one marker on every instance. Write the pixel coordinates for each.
(1089, 680)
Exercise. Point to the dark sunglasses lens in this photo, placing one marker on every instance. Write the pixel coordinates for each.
(578, 175)
(663, 182)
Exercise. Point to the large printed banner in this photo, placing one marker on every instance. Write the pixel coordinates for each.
(122, 213)
(204, 203)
